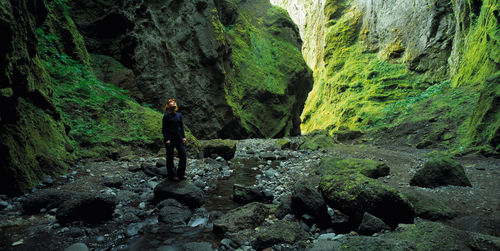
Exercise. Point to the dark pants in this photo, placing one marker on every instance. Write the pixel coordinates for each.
(181, 150)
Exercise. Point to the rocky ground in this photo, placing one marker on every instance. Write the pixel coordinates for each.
(117, 205)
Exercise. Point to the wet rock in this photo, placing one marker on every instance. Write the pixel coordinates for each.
(112, 181)
(246, 194)
(323, 245)
(306, 199)
(46, 198)
(174, 213)
(242, 218)
(197, 246)
(182, 191)
(371, 224)
(284, 208)
(225, 148)
(87, 208)
(77, 247)
(199, 218)
(440, 170)
(344, 187)
(427, 207)
(278, 232)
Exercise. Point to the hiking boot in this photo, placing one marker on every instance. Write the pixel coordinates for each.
(181, 178)
(173, 178)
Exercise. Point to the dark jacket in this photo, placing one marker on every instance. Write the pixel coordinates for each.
(172, 126)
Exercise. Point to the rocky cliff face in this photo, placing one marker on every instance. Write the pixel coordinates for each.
(385, 63)
(34, 140)
(177, 49)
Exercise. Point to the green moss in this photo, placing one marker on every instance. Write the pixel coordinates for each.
(428, 207)
(101, 116)
(481, 53)
(38, 146)
(267, 69)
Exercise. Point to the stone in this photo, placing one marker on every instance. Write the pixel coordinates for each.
(46, 198)
(284, 208)
(77, 247)
(155, 171)
(306, 199)
(267, 156)
(344, 187)
(3, 204)
(246, 194)
(87, 208)
(371, 224)
(182, 191)
(440, 170)
(174, 213)
(279, 232)
(427, 207)
(136, 167)
(224, 148)
(246, 217)
(112, 181)
(317, 140)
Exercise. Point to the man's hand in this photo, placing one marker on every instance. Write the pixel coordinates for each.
(167, 142)
(184, 140)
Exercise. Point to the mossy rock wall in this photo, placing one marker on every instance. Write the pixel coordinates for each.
(389, 66)
(271, 78)
(33, 137)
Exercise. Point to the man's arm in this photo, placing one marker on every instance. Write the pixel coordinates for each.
(164, 128)
(182, 127)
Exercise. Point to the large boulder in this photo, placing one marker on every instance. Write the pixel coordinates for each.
(240, 222)
(306, 199)
(428, 207)
(279, 232)
(344, 187)
(420, 236)
(87, 208)
(317, 140)
(182, 191)
(371, 224)
(174, 213)
(220, 147)
(440, 170)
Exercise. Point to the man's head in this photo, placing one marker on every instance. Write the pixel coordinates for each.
(171, 105)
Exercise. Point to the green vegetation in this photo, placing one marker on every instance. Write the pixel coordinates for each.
(268, 66)
(359, 89)
(355, 88)
(101, 117)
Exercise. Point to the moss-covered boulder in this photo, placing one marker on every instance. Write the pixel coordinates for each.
(427, 207)
(420, 236)
(271, 78)
(345, 187)
(280, 232)
(317, 140)
(440, 170)
(225, 148)
(240, 222)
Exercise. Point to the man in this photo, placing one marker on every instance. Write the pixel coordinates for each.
(173, 134)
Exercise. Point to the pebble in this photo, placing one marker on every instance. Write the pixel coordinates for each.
(142, 205)
(100, 239)
(328, 236)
